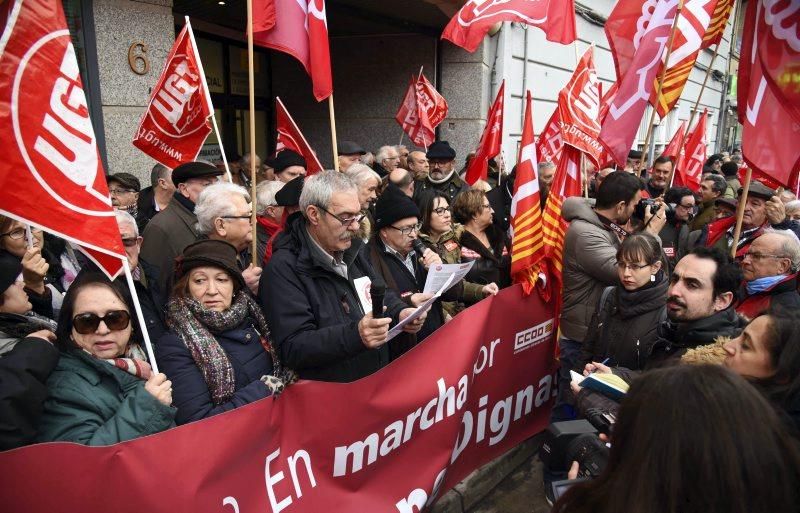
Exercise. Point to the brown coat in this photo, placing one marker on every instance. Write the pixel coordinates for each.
(165, 237)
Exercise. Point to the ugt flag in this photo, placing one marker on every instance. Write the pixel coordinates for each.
(413, 118)
(489, 145)
(51, 174)
(175, 124)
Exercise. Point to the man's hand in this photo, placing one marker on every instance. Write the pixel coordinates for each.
(596, 367)
(419, 298)
(415, 325)
(34, 269)
(252, 275)
(373, 331)
(776, 210)
(430, 258)
(655, 222)
(490, 290)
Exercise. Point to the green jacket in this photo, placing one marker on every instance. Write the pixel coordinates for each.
(449, 250)
(93, 403)
(706, 215)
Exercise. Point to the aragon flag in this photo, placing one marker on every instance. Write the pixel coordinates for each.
(52, 176)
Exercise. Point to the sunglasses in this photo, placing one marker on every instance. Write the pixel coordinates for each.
(87, 323)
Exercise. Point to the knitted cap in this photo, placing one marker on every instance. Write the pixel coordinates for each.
(392, 206)
(10, 267)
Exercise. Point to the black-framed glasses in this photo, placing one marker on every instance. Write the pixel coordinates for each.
(346, 221)
(248, 216)
(130, 242)
(760, 256)
(15, 234)
(406, 230)
(116, 192)
(87, 323)
(441, 211)
(623, 266)
(687, 207)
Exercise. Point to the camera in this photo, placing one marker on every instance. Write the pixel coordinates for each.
(573, 440)
(650, 206)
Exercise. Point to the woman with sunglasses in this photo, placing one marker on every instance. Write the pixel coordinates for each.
(102, 391)
(481, 241)
(217, 350)
(440, 234)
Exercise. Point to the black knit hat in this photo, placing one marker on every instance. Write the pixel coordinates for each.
(441, 150)
(289, 194)
(392, 206)
(10, 267)
(189, 170)
(288, 158)
(730, 169)
(127, 180)
(635, 154)
(209, 252)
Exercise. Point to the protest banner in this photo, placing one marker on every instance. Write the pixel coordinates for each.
(392, 441)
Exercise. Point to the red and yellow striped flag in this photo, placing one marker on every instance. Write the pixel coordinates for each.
(527, 241)
(700, 26)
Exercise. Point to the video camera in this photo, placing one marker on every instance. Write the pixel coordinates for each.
(649, 205)
(574, 440)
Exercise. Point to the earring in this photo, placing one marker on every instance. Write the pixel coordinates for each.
(652, 277)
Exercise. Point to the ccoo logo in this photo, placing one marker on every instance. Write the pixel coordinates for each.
(55, 137)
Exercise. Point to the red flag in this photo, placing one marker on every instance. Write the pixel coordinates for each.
(431, 102)
(675, 146)
(768, 107)
(695, 155)
(550, 142)
(473, 21)
(623, 119)
(579, 106)
(489, 145)
(527, 246)
(413, 118)
(299, 28)
(175, 125)
(605, 157)
(289, 136)
(52, 174)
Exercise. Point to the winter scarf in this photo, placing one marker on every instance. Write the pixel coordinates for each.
(762, 284)
(197, 326)
(134, 362)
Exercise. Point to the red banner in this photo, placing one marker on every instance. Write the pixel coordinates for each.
(550, 143)
(432, 103)
(579, 106)
(489, 145)
(468, 27)
(175, 124)
(299, 28)
(290, 136)
(392, 441)
(412, 118)
(52, 175)
(694, 155)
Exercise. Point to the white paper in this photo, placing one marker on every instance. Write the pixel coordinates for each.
(576, 378)
(440, 273)
(362, 286)
(421, 309)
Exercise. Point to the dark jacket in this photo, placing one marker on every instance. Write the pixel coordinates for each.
(450, 188)
(145, 208)
(190, 393)
(91, 402)
(500, 200)
(624, 327)
(783, 293)
(674, 241)
(23, 375)
(492, 265)
(314, 313)
(167, 235)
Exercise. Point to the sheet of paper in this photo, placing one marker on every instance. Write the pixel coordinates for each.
(362, 286)
(577, 378)
(398, 328)
(438, 274)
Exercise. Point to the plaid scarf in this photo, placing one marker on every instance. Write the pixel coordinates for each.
(134, 362)
(197, 326)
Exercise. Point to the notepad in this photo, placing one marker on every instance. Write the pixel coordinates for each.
(610, 385)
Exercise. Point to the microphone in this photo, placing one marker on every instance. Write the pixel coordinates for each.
(376, 292)
(419, 247)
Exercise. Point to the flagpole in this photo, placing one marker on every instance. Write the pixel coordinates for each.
(251, 83)
(660, 87)
(208, 98)
(740, 211)
(333, 130)
(137, 306)
(402, 134)
(700, 95)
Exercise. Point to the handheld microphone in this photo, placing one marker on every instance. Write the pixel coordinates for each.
(376, 293)
(419, 247)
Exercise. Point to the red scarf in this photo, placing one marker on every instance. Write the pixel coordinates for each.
(272, 228)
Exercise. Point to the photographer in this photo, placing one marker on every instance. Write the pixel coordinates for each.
(685, 441)
(675, 234)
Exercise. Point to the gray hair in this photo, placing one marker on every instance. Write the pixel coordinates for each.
(545, 165)
(215, 202)
(368, 159)
(159, 171)
(265, 194)
(124, 217)
(244, 162)
(319, 188)
(720, 184)
(382, 153)
(792, 205)
(790, 245)
(360, 173)
(405, 180)
(736, 158)
(399, 146)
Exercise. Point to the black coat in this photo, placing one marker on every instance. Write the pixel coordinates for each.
(500, 200)
(624, 327)
(190, 393)
(313, 312)
(23, 377)
(493, 265)
(145, 208)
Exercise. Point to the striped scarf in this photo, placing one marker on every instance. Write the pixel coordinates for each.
(134, 362)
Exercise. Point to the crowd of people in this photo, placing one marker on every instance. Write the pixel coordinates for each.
(648, 281)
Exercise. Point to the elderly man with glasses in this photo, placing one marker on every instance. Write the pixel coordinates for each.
(442, 175)
(315, 290)
(770, 268)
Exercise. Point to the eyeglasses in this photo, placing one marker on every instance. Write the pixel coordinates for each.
(624, 266)
(406, 230)
(483, 207)
(687, 207)
(439, 163)
(346, 221)
(759, 256)
(248, 216)
(87, 323)
(130, 242)
(18, 233)
(119, 192)
(441, 211)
